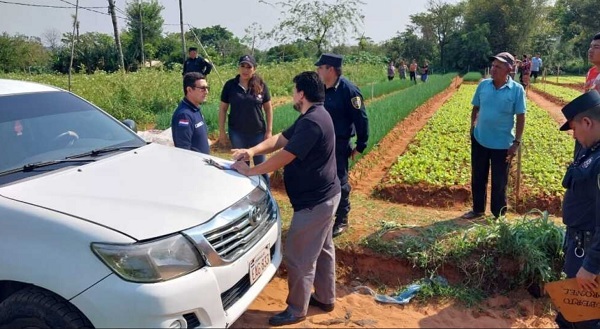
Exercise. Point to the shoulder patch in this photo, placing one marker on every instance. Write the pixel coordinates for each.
(356, 102)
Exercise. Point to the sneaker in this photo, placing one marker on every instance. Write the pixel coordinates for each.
(472, 215)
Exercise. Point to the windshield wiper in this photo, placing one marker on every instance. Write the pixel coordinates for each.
(31, 166)
(97, 152)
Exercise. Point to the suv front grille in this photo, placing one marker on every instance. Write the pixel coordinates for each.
(232, 240)
(235, 230)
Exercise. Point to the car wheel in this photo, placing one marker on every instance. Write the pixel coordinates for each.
(37, 308)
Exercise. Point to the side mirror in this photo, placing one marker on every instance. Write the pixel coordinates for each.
(130, 124)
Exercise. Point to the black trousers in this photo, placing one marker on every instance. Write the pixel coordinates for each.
(342, 152)
(481, 158)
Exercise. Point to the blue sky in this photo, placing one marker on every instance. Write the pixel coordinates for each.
(383, 18)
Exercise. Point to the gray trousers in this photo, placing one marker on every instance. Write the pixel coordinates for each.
(309, 255)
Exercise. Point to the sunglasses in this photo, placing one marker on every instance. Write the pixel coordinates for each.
(203, 88)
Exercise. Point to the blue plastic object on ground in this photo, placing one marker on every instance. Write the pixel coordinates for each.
(406, 295)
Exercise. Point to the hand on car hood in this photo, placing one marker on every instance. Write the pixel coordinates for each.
(144, 193)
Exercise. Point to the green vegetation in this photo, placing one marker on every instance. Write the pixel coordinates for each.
(494, 256)
(472, 77)
(563, 93)
(440, 154)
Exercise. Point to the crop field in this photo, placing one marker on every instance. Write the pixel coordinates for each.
(561, 95)
(435, 169)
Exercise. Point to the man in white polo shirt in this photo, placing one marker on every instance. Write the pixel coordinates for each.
(496, 103)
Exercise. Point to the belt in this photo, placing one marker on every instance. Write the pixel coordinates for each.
(582, 238)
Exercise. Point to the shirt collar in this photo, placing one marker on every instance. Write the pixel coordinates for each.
(510, 83)
(192, 106)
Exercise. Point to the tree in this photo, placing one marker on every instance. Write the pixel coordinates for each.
(470, 49)
(22, 53)
(144, 17)
(511, 22)
(318, 22)
(440, 21)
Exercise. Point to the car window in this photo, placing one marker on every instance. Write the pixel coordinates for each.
(50, 126)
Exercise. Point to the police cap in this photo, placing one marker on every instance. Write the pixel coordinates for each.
(579, 105)
(248, 59)
(193, 49)
(330, 59)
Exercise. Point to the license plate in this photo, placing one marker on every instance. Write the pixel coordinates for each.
(259, 263)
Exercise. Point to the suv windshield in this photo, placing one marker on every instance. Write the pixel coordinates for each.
(50, 126)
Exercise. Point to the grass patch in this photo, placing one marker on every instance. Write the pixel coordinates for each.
(494, 256)
(472, 77)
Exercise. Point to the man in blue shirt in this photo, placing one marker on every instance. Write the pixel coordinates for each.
(495, 104)
(581, 204)
(187, 124)
(308, 157)
(536, 66)
(345, 104)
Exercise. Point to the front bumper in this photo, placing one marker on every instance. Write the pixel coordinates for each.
(199, 298)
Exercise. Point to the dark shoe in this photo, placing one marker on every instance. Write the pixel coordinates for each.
(339, 228)
(322, 306)
(472, 215)
(285, 318)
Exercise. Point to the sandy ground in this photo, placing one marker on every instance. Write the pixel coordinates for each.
(354, 310)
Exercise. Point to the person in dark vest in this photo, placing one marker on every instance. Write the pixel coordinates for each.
(345, 104)
(307, 154)
(581, 203)
(195, 63)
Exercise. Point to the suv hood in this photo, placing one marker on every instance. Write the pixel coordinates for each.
(148, 192)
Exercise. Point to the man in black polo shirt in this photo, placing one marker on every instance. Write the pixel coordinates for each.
(187, 124)
(308, 158)
(195, 63)
(345, 104)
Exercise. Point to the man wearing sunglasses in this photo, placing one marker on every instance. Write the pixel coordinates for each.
(187, 124)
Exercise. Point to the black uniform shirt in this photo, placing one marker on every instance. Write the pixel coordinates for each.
(245, 114)
(345, 104)
(581, 204)
(197, 64)
(189, 129)
(311, 178)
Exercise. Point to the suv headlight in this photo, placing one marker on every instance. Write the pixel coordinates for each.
(153, 261)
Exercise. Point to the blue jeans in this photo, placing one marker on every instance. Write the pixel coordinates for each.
(243, 141)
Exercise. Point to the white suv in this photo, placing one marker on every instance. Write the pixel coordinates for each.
(100, 229)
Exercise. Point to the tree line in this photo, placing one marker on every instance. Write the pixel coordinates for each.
(450, 36)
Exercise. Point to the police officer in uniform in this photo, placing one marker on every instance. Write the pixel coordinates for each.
(581, 204)
(195, 63)
(187, 124)
(345, 104)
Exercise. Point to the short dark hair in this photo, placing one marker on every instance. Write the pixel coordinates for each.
(190, 78)
(311, 85)
(592, 113)
(597, 36)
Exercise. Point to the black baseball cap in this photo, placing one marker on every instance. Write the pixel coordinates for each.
(193, 49)
(504, 57)
(330, 59)
(579, 105)
(248, 59)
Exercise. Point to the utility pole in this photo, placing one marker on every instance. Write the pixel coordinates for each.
(142, 33)
(181, 26)
(75, 26)
(111, 9)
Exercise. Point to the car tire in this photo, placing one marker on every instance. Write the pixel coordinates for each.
(37, 308)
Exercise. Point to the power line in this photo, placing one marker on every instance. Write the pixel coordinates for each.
(44, 6)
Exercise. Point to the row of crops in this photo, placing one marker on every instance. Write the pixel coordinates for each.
(563, 94)
(439, 157)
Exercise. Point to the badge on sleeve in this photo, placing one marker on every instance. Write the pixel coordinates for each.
(356, 102)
